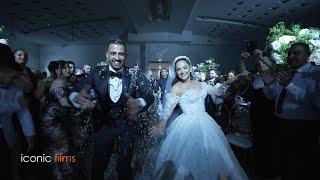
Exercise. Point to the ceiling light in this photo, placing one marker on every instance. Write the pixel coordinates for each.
(228, 21)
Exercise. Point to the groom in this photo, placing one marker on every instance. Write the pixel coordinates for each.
(117, 107)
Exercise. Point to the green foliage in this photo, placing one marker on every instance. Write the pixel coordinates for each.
(2, 28)
(103, 63)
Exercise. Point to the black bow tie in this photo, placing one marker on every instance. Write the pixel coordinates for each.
(116, 74)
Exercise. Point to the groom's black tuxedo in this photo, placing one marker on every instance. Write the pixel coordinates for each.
(133, 82)
(113, 116)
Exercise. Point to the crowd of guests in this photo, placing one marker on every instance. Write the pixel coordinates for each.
(38, 117)
(50, 123)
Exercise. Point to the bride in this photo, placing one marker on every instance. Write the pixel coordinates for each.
(195, 146)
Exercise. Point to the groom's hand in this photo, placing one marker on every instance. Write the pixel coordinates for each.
(157, 129)
(133, 106)
(84, 99)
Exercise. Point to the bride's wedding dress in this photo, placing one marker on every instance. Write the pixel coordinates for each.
(195, 146)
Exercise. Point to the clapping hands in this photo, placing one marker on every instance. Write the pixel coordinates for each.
(284, 77)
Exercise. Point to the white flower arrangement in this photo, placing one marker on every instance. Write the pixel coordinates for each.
(206, 66)
(315, 57)
(281, 37)
(3, 41)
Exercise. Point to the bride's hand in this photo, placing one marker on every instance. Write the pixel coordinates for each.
(157, 129)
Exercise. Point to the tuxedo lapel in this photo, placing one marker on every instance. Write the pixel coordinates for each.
(104, 81)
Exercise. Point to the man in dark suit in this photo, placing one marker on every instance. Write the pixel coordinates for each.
(297, 119)
(164, 76)
(213, 77)
(116, 88)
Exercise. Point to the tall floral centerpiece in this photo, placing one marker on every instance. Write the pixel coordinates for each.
(281, 37)
(206, 66)
(2, 40)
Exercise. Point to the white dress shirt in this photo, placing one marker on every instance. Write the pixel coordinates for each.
(257, 82)
(115, 90)
(303, 87)
(115, 87)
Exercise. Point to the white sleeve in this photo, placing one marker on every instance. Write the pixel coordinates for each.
(171, 101)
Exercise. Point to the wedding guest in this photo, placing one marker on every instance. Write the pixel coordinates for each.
(197, 75)
(203, 77)
(56, 124)
(12, 101)
(298, 122)
(28, 82)
(72, 67)
(86, 69)
(213, 77)
(164, 77)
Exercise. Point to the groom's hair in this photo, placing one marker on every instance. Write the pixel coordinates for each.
(117, 41)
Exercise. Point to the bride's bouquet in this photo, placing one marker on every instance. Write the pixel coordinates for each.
(281, 37)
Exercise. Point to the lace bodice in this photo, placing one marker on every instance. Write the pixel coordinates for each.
(192, 101)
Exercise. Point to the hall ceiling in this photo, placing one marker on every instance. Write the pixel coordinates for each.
(72, 21)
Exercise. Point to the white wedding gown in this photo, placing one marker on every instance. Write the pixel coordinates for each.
(195, 146)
